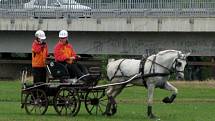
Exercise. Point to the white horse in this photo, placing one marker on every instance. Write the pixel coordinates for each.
(154, 71)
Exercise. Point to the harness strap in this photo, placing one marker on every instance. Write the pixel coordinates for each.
(155, 74)
(154, 60)
(118, 69)
(141, 70)
(152, 70)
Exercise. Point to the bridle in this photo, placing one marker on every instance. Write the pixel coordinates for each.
(176, 64)
(171, 70)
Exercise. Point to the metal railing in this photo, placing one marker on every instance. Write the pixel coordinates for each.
(106, 8)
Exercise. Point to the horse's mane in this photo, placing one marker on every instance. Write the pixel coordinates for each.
(168, 51)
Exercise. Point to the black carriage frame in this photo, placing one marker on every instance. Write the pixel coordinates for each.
(65, 97)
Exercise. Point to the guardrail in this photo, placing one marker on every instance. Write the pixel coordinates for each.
(106, 8)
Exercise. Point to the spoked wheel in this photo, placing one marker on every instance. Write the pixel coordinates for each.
(96, 101)
(67, 102)
(36, 102)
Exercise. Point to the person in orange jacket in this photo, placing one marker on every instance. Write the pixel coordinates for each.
(39, 54)
(65, 54)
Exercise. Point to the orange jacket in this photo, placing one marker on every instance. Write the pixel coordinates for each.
(39, 54)
(63, 52)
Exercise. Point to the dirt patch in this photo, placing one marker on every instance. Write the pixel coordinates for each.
(198, 84)
(178, 101)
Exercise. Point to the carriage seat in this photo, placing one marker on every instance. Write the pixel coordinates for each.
(57, 71)
(95, 72)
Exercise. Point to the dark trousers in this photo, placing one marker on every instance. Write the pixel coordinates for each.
(39, 74)
(76, 70)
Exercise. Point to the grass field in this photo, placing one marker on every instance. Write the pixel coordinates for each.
(195, 102)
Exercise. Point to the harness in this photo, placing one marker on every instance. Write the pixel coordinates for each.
(152, 69)
(118, 69)
(141, 70)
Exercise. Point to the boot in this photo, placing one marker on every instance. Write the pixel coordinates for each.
(111, 107)
(107, 111)
(114, 109)
(172, 98)
(150, 114)
(169, 100)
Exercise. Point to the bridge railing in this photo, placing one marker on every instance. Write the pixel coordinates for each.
(106, 8)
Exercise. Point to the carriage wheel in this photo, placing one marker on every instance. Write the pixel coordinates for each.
(36, 102)
(96, 101)
(67, 102)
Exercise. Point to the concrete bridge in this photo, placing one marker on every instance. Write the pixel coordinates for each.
(131, 36)
(132, 28)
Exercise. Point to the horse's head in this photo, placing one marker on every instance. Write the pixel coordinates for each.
(179, 64)
(172, 60)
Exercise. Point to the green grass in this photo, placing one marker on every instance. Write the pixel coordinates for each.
(195, 102)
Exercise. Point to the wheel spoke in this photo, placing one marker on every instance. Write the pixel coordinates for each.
(96, 109)
(66, 109)
(40, 96)
(32, 95)
(100, 108)
(32, 108)
(37, 94)
(97, 93)
(59, 99)
(93, 95)
(63, 93)
(39, 108)
(102, 100)
(92, 108)
(43, 101)
(102, 95)
(61, 109)
(101, 103)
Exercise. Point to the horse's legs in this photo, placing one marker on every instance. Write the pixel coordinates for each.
(151, 88)
(112, 92)
(170, 87)
(111, 98)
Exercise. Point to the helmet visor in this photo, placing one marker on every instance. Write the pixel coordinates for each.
(42, 37)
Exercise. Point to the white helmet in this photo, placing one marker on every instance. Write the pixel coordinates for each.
(40, 34)
(63, 34)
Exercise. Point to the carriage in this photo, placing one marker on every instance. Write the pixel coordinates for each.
(152, 72)
(64, 95)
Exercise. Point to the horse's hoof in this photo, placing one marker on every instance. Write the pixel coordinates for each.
(114, 109)
(166, 100)
(22, 106)
(152, 116)
(111, 113)
(106, 114)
